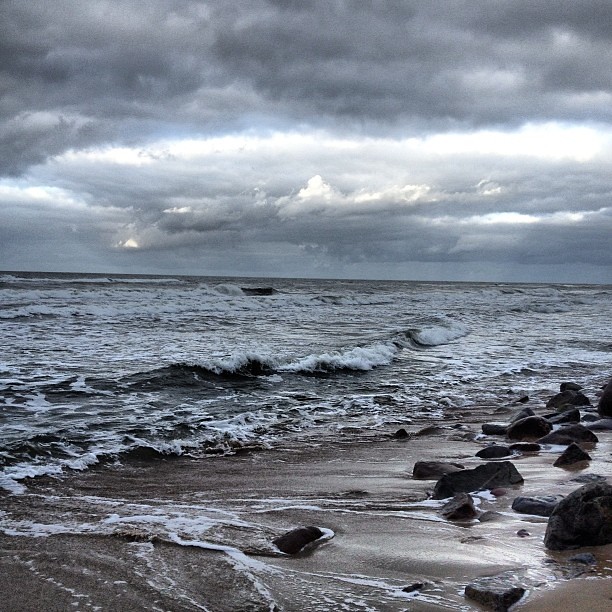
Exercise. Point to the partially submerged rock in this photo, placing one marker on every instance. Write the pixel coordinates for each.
(571, 455)
(293, 541)
(495, 593)
(486, 476)
(494, 429)
(525, 447)
(529, 428)
(460, 508)
(432, 470)
(568, 434)
(604, 406)
(568, 416)
(540, 505)
(495, 451)
(583, 518)
(568, 398)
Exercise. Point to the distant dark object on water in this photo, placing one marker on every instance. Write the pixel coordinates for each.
(258, 290)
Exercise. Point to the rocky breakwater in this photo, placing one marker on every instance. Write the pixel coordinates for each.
(582, 518)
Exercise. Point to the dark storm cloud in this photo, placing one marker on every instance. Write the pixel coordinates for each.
(307, 137)
(126, 71)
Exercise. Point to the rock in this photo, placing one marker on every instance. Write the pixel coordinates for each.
(498, 491)
(488, 516)
(568, 434)
(604, 406)
(496, 593)
(568, 416)
(571, 455)
(460, 508)
(417, 586)
(600, 425)
(540, 505)
(587, 478)
(433, 470)
(293, 541)
(532, 427)
(583, 518)
(401, 433)
(523, 414)
(523, 400)
(584, 558)
(494, 451)
(569, 386)
(494, 429)
(523, 533)
(430, 430)
(525, 447)
(566, 399)
(486, 476)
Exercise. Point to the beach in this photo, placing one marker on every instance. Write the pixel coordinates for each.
(160, 435)
(183, 534)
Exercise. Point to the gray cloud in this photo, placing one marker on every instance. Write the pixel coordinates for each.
(376, 99)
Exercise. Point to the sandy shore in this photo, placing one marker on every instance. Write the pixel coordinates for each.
(182, 534)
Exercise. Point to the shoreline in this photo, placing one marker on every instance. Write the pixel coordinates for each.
(187, 534)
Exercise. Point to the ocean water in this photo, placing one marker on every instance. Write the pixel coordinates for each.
(100, 368)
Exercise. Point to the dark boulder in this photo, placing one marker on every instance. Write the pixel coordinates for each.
(494, 451)
(532, 427)
(293, 541)
(460, 508)
(486, 476)
(525, 447)
(432, 470)
(540, 505)
(583, 518)
(568, 434)
(600, 425)
(584, 559)
(494, 429)
(566, 399)
(588, 478)
(523, 414)
(569, 386)
(401, 434)
(568, 416)
(495, 593)
(571, 455)
(604, 406)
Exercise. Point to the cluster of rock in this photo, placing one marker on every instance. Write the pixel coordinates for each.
(582, 518)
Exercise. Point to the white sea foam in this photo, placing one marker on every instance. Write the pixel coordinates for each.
(358, 358)
(440, 334)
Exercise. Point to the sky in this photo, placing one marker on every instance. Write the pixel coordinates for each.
(442, 140)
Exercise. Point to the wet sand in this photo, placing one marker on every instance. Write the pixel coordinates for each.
(183, 534)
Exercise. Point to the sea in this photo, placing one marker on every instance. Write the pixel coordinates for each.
(97, 368)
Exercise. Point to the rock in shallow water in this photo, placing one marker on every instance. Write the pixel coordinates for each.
(487, 476)
(604, 407)
(494, 429)
(496, 593)
(571, 455)
(583, 518)
(460, 508)
(529, 428)
(540, 505)
(569, 434)
(432, 470)
(293, 541)
(494, 451)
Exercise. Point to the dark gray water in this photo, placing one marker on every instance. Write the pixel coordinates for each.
(94, 368)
